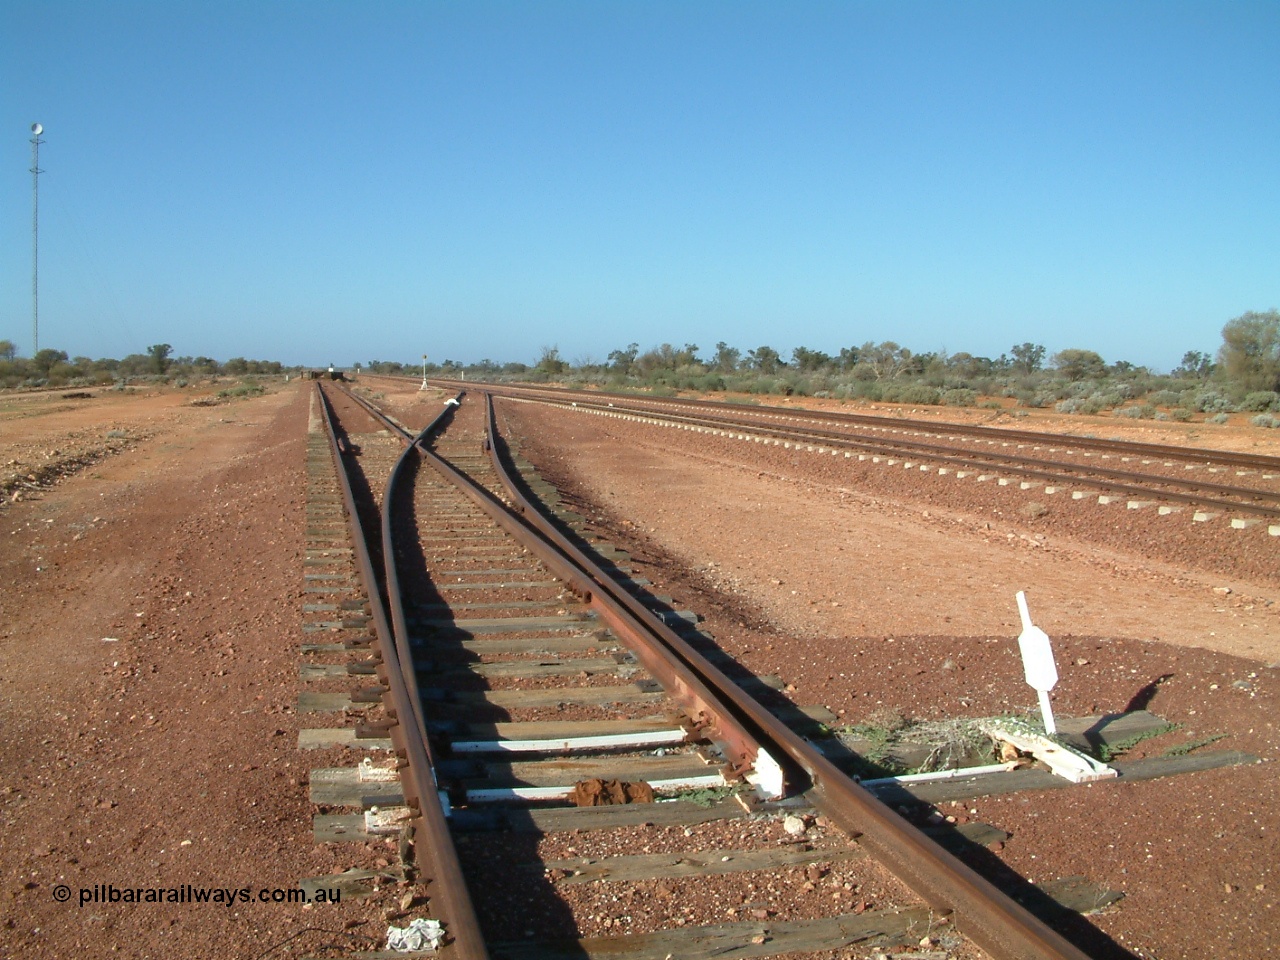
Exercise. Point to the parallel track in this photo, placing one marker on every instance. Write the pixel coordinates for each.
(1076, 460)
(502, 637)
(1096, 445)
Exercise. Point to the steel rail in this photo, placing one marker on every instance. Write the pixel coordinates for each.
(403, 704)
(1134, 448)
(991, 919)
(1117, 481)
(566, 563)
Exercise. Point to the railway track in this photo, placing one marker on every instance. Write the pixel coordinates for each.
(1167, 474)
(536, 705)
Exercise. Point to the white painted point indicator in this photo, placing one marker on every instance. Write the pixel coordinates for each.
(1037, 662)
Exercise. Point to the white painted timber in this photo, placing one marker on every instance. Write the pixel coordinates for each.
(504, 794)
(370, 772)
(1061, 760)
(767, 776)
(386, 820)
(650, 738)
(949, 774)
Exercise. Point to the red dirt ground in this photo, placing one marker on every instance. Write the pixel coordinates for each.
(150, 622)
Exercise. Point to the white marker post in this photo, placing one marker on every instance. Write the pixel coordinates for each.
(1037, 662)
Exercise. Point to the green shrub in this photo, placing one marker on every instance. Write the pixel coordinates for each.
(1088, 405)
(1210, 401)
(1141, 412)
(916, 393)
(1260, 400)
(1265, 420)
(1217, 418)
(960, 397)
(243, 390)
(862, 390)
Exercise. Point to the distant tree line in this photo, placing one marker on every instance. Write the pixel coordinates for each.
(448, 368)
(54, 368)
(1243, 376)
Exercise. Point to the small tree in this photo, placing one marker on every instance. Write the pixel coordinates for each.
(1250, 352)
(550, 363)
(621, 360)
(726, 358)
(159, 354)
(45, 359)
(687, 355)
(764, 359)
(1079, 364)
(1194, 364)
(884, 361)
(967, 366)
(808, 360)
(7, 350)
(1027, 357)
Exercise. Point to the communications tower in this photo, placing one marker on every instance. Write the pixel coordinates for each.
(36, 130)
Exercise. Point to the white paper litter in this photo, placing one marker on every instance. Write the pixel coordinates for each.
(419, 935)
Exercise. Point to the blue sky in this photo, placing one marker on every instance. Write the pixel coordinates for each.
(320, 181)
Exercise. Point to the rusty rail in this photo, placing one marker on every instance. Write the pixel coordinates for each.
(618, 612)
(988, 917)
(991, 919)
(1116, 481)
(403, 704)
(1132, 448)
(1053, 471)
